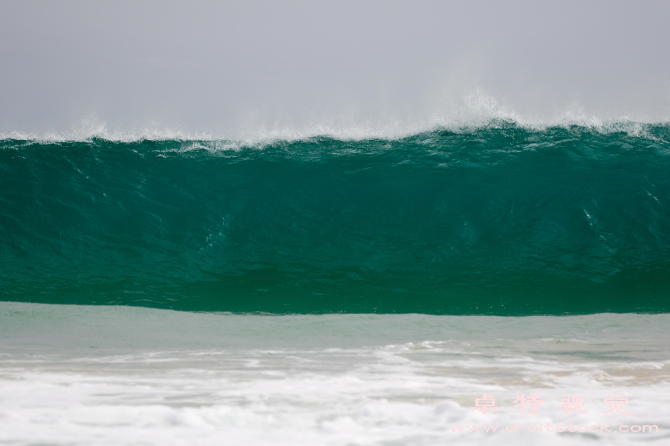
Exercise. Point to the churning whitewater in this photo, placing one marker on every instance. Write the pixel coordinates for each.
(123, 375)
(498, 219)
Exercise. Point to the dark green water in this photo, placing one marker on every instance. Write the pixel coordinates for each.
(498, 220)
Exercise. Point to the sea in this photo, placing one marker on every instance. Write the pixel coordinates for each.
(498, 283)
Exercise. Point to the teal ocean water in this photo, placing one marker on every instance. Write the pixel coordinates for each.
(494, 220)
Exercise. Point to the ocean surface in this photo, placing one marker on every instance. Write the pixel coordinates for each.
(114, 375)
(337, 291)
(499, 219)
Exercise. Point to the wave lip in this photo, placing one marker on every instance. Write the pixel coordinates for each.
(397, 130)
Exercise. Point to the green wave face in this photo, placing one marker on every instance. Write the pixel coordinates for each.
(498, 220)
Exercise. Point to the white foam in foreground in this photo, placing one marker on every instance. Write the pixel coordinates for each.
(120, 376)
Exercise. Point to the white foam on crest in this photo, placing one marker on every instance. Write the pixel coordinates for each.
(92, 128)
(476, 109)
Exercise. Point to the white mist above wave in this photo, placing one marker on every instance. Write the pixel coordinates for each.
(117, 375)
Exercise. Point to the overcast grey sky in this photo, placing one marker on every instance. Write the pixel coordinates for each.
(234, 69)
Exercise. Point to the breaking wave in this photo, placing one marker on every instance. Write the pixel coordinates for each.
(502, 218)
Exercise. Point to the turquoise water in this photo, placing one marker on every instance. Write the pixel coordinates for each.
(495, 220)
